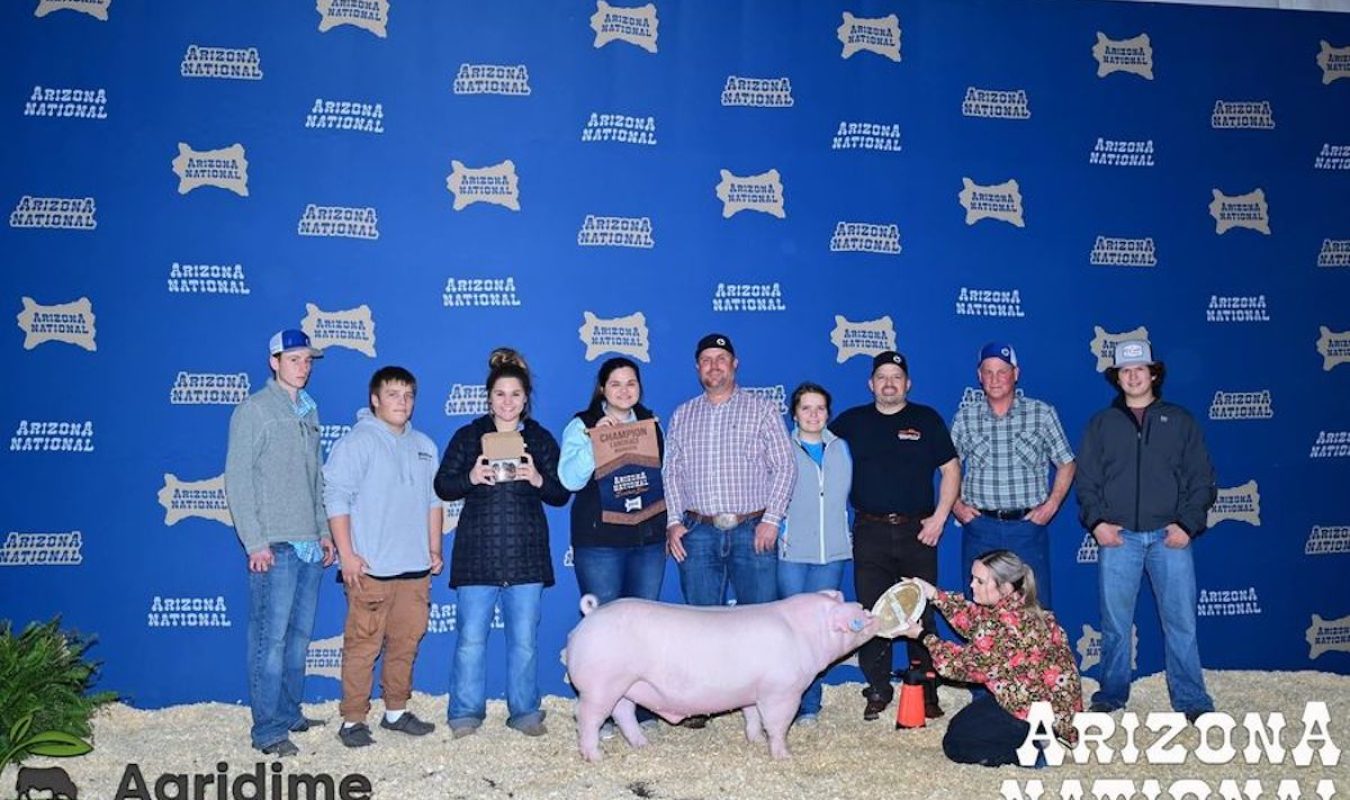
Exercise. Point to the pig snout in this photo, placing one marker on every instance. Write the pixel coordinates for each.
(854, 619)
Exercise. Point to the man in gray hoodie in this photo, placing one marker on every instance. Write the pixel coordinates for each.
(386, 520)
(274, 488)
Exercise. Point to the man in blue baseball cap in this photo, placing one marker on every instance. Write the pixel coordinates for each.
(274, 487)
(1006, 442)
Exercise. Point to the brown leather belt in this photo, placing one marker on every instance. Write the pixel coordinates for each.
(887, 519)
(724, 522)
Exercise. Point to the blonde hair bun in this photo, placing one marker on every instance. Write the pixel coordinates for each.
(506, 356)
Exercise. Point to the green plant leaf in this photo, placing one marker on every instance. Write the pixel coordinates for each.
(57, 744)
(47, 678)
(20, 728)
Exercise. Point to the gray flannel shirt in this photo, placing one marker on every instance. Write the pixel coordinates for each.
(1005, 458)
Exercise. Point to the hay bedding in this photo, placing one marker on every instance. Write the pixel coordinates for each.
(842, 757)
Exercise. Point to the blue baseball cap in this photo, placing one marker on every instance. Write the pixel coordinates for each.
(292, 339)
(1003, 352)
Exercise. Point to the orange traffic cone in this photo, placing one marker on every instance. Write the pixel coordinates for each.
(909, 711)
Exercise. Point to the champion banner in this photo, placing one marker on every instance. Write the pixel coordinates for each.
(628, 472)
(416, 183)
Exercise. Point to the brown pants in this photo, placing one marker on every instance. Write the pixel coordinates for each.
(388, 615)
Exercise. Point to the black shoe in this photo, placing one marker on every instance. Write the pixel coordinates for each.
(1193, 715)
(357, 735)
(932, 709)
(408, 723)
(876, 704)
(285, 747)
(1103, 708)
(306, 723)
(695, 722)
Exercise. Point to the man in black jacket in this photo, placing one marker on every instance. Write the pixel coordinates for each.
(1145, 486)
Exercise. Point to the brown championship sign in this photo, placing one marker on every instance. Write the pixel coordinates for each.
(628, 472)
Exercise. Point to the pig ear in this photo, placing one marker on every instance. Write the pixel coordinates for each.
(833, 594)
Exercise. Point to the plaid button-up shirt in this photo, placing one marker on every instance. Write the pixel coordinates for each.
(729, 457)
(1005, 458)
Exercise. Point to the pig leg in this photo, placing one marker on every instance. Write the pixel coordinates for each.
(777, 716)
(592, 708)
(625, 714)
(754, 727)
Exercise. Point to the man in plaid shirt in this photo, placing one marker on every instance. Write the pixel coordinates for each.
(728, 475)
(1005, 444)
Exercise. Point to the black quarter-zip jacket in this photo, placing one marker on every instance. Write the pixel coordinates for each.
(1144, 477)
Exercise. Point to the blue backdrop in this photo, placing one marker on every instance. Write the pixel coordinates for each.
(416, 183)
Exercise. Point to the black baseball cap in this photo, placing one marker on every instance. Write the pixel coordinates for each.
(889, 357)
(714, 340)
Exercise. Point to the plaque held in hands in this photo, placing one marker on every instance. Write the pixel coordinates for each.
(504, 451)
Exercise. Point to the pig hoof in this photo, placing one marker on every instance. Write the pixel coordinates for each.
(591, 756)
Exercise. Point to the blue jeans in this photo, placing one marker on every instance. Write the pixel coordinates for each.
(712, 555)
(795, 578)
(1171, 571)
(281, 606)
(613, 572)
(473, 618)
(1031, 543)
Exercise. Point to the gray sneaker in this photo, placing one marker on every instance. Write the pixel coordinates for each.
(408, 723)
(533, 728)
(357, 735)
(283, 748)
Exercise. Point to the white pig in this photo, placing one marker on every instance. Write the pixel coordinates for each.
(683, 660)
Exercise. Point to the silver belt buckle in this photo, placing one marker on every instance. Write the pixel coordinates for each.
(725, 521)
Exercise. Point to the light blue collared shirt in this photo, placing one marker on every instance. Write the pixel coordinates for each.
(577, 462)
(309, 552)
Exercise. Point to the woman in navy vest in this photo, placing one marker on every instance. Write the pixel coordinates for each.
(611, 560)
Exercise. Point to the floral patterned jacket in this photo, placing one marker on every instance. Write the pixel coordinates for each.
(1021, 657)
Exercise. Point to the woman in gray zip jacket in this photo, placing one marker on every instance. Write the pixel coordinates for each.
(815, 541)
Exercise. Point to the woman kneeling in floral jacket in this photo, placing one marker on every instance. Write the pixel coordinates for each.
(1015, 648)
